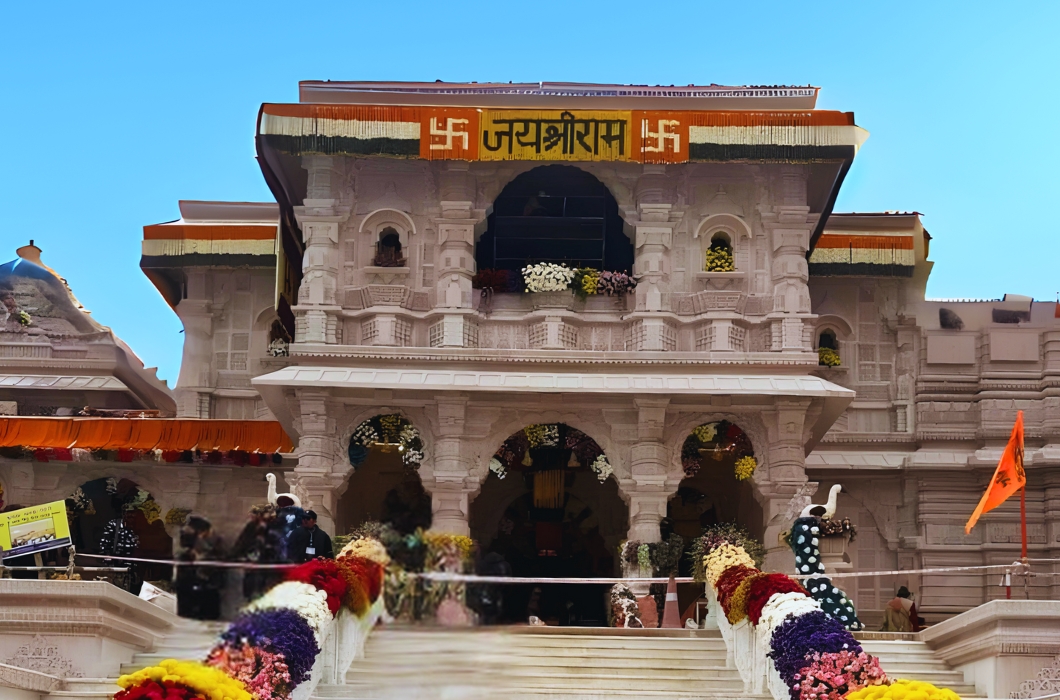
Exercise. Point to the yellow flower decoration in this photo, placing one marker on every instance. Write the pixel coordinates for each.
(904, 690)
(745, 467)
(721, 558)
(706, 433)
(719, 260)
(367, 548)
(738, 599)
(828, 357)
(440, 541)
(209, 682)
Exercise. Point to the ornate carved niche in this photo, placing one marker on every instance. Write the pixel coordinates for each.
(385, 237)
(727, 231)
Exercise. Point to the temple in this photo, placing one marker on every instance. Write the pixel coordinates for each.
(731, 346)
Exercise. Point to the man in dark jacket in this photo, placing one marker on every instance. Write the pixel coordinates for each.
(309, 541)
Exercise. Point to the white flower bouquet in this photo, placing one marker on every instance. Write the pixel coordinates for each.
(721, 558)
(602, 468)
(781, 606)
(304, 599)
(547, 277)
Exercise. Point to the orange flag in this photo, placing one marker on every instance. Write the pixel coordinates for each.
(1009, 476)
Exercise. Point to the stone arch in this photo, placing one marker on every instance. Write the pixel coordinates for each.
(716, 495)
(401, 222)
(104, 492)
(549, 196)
(510, 424)
(731, 224)
(549, 513)
(375, 448)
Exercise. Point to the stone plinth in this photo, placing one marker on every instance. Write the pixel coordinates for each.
(85, 628)
(1000, 644)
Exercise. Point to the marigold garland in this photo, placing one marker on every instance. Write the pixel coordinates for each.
(729, 581)
(325, 575)
(210, 683)
(721, 558)
(763, 588)
(738, 599)
(904, 690)
(356, 598)
(368, 571)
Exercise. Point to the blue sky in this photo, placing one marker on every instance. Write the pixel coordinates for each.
(112, 112)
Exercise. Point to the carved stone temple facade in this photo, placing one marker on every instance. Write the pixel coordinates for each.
(391, 198)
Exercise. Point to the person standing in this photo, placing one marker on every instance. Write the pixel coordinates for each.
(309, 541)
(259, 543)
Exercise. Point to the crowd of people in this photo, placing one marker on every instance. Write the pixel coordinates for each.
(276, 534)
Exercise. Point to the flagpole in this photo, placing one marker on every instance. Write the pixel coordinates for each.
(1023, 522)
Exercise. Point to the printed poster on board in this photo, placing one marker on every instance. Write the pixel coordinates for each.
(34, 529)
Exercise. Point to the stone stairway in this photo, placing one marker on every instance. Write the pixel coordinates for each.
(904, 656)
(528, 662)
(190, 639)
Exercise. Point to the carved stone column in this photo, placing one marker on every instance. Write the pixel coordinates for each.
(789, 225)
(196, 375)
(785, 425)
(456, 267)
(649, 462)
(321, 471)
(317, 312)
(453, 482)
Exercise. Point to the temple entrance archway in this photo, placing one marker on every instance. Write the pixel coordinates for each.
(385, 452)
(96, 507)
(718, 461)
(550, 509)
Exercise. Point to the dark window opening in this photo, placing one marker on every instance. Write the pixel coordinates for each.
(556, 214)
(828, 340)
(388, 250)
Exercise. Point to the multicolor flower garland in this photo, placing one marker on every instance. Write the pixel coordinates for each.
(813, 652)
(271, 647)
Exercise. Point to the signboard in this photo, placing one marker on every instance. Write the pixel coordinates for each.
(34, 529)
(642, 136)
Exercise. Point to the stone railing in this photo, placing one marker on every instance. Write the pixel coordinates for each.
(746, 648)
(999, 645)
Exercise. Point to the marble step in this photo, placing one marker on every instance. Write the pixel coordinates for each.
(465, 692)
(83, 689)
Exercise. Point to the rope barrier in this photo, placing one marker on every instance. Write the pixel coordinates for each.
(1016, 568)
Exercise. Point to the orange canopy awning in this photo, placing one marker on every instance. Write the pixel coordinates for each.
(144, 434)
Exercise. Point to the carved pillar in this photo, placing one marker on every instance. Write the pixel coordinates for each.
(317, 313)
(649, 462)
(196, 375)
(456, 266)
(789, 225)
(453, 482)
(786, 474)
(321, 471)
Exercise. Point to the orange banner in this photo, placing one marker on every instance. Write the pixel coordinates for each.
(144, 434)
(1009, 477)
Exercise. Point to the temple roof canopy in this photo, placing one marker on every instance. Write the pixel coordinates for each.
(548, 95)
